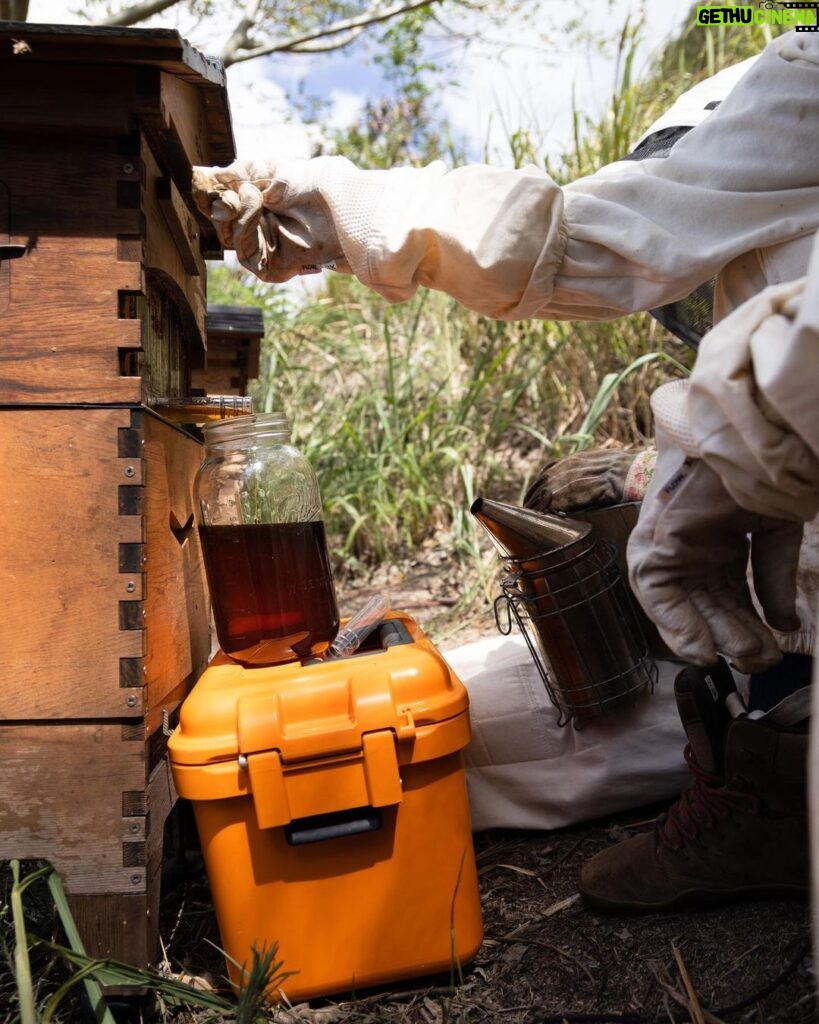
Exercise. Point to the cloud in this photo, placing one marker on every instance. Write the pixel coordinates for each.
(263, 125)
(528, 84)
(345, 107)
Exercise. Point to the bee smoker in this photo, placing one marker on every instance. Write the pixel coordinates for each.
(564, 590)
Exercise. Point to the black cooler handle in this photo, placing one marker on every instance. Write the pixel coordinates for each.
(335, 825)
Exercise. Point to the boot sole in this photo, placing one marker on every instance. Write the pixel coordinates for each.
(695, 899)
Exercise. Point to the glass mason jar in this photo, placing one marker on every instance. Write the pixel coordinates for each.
(263, 539)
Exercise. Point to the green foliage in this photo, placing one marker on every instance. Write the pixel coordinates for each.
(393, 131)
(21, 966)
(229, 287)
(702, 50)
(405, 126)
(385, 405)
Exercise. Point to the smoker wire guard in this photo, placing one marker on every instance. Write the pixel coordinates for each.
(602, 696)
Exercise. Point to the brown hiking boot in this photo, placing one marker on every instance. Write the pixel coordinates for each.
(738, 834)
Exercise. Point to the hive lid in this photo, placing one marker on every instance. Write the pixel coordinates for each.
(323, 709)
(160, 48)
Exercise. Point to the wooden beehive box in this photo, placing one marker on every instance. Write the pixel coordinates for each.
(105, 622)
(234, 335)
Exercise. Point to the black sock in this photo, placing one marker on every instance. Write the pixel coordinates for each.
(768, 688)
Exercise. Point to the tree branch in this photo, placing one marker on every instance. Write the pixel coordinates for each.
(328, 45)
(240, 37)
(298, 44)
(139, 12)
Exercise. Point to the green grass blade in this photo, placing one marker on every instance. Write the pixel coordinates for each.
(22, 965)
(111, 972)
(608, 389)
(93, 989)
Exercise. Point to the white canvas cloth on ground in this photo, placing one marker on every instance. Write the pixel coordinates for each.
(524, 771)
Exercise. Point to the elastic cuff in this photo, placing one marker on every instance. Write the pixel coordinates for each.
(669, 403)
(800, 641)
(639, 475)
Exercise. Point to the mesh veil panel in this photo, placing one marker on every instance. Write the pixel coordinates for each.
(691, 317)
(658, 143)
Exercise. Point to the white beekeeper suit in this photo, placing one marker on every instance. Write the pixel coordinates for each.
(737, 199)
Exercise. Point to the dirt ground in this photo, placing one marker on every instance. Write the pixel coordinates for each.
(546, 957)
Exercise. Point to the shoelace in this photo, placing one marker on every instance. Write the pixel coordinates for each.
(701, 806)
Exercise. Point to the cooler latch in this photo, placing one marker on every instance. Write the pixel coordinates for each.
(285, 792)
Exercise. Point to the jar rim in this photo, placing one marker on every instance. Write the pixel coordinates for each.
(252, 425)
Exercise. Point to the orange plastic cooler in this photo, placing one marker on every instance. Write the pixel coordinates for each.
(331, 805)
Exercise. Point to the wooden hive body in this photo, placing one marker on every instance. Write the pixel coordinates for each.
(234, 336)
(102, 316)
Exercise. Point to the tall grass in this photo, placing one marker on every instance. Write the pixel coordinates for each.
(393, 404)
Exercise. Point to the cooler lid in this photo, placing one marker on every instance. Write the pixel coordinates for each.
(397, 682)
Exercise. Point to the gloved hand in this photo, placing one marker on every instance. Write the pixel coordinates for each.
(276, 216)
(688, 563)
(591, 479)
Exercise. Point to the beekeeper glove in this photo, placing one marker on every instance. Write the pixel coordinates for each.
(591, 479)
(275, 215)
(467, 232)
(688, 560)
(751, 401)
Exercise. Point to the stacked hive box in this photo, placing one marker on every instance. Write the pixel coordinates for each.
(234, 341)
(102, 316)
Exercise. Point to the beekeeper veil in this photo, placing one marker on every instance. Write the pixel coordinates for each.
(691, 317)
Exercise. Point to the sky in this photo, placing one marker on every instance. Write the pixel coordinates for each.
(501, 87)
